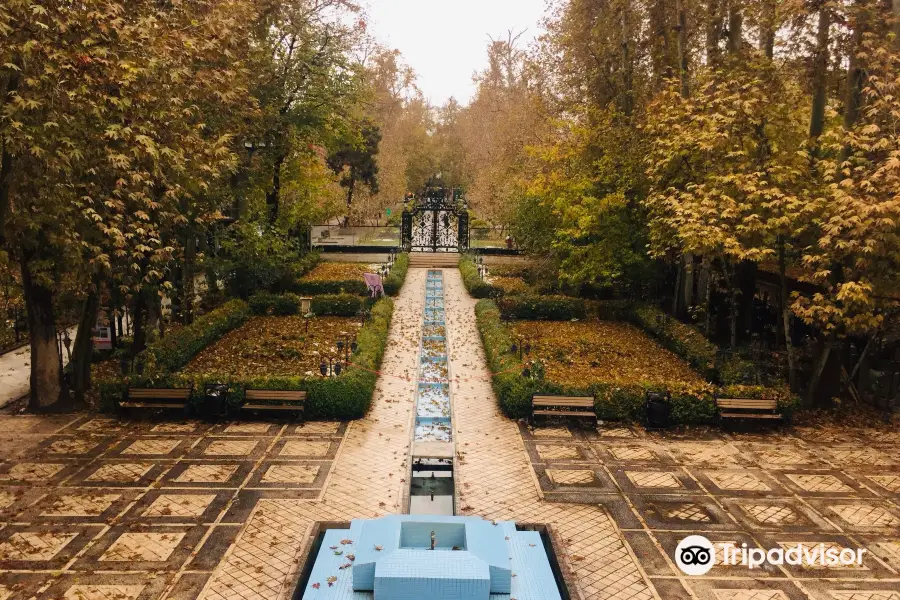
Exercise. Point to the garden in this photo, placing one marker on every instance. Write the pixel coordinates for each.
(613, 351)
(329, 345)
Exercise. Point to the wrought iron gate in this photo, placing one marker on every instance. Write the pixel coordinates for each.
(436, 222)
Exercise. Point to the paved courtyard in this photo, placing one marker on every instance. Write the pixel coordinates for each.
(93, 508)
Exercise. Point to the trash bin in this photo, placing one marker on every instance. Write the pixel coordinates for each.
(215, 400)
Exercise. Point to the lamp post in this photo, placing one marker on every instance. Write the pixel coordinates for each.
(521, 347)
(346, 344)
(331, 368)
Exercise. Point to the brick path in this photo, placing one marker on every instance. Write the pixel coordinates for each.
(94, 508)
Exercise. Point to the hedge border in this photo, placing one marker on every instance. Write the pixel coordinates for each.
(475, 285)
(348, 396)
(611, 401)
(392, 283)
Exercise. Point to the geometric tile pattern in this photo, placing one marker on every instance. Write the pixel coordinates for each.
(307, 449)
(818, 483)
(72, 446)
(737, 481)
(179, 505)
(866, 515)
(142, 546)
(231, 447)
(654, 479)
(750, 595)
(687, 511)
(552, 432)
(864, 595)
(35, 472)
(631, 453)
(34, 546)
(557, 452)
(290, 474)
(152, 447)
(103, 592)
(207, 474)
(861, 456)
(120, 472)
(888, 482)
(565, 477)
(83, 505)
(772, 514)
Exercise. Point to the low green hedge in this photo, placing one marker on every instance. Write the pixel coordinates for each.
(612, 401)
(316, 288)
(348, 396)
(542, 308)
(395, 279)
(282, 305)
(476, 286)
(684, 340)
(337, 305)
(177, 349)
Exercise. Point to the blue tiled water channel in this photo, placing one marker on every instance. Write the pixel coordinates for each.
(432, 486)
(433, 391)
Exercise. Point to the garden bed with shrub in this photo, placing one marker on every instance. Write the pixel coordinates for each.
(628, 365)
(475, 285)
(347, 396)
(347, 278)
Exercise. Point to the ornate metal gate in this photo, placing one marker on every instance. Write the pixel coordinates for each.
(436, 222)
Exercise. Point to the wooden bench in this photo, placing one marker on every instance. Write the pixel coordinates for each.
(563, 406)
(748, 408)
(170, 398)
(274, 400)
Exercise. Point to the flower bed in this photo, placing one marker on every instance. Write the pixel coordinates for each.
(341, 278)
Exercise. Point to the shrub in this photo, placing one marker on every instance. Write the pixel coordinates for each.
(346, 397)
(476, 287)
(262, 302)
(684, 340)
(395, 279)
(176, 349)
(315, 288)
(286, 304)
(615, 402)
(336, 305)
(543, 308)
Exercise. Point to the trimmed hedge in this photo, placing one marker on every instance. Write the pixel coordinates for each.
(315, 288)
(277, 304)
(396, 278)
(684, 340)
(612, 401)
(392, 283)
(476, 286)
(338, 305)
(348, 396)
(542, 308)
(177, 349)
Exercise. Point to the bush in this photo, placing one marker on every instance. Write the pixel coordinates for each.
(615, 402)
(476, 287)
(315, 288)
(336, 305)
(346, 397)
(177, 349)
(395, 279)
(684, 340)
(542, 308)
(262, 302)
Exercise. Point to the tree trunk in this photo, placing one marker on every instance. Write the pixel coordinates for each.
(820, 80)
(273, 197)
(138, 323)
(676, 300)
(187, 274)
(682, 48)
(84, 347)
(855, 70)
(713, 30)
(735, 27)
(627, 78)
(821, 363)
(767, 29)
(46, 362)
(350, 189)
(786, 314)
(660, 51)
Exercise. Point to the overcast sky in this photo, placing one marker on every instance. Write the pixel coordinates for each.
(445, 40)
